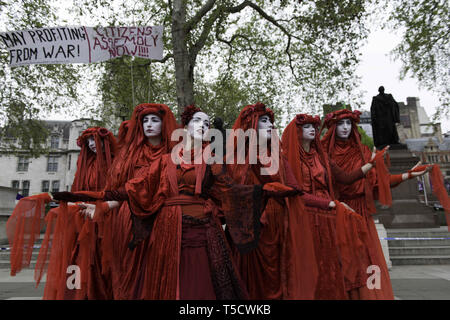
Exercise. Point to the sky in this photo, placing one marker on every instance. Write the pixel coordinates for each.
(378, 68)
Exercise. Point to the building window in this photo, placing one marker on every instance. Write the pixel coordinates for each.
(22, 164)
(405, 120)
(15, 184)
(70, 160)
(25, 188)
(55, 186)
(45, 186)
(54, 142)
(52, 164)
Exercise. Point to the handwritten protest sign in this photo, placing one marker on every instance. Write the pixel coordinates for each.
(81, 44)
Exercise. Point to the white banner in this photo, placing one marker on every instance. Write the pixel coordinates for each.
(82, 44)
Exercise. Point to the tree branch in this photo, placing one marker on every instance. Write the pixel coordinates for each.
(272, 20)
(204, 35)
(200, 14)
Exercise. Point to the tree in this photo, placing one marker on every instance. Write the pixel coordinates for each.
(306, 49)
(25, 92)
(425, 48)
(290, 55)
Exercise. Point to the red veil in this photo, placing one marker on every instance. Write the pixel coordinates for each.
(382, 178)
(134, 147)
(28, 216)
(348, 155)
(292, 141)
(94, 181)
(67, 227)
(348, 243)
(133, 160)
(296, 263)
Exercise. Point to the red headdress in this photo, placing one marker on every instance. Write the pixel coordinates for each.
(354, 141)
(248, 119)
(123, 129)
(330, 122)
(188, 113)
(134, 140)
(106, 148)
(292, 147)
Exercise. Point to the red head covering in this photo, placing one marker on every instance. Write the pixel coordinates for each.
(292, 147)
(188, 113)
(134, 140)
(123, 129)
(106, 147)
(248, 119)
(354, 141)
(330, 122)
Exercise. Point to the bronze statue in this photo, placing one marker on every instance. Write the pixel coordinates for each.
(385, 114)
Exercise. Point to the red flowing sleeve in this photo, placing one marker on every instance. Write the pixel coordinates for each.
(242, 206)
(344, 177)
(310, 200)
(146, 196)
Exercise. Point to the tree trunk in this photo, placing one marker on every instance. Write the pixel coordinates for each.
(184, 69)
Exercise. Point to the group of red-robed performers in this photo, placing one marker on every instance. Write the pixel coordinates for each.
(146, 219)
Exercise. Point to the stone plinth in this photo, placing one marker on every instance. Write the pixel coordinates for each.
(382, 235)
(406, 210)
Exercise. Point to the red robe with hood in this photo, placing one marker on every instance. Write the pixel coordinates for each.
(69, 238)
(359, 195)
(338, 250)
(282, 266)
(136, 155)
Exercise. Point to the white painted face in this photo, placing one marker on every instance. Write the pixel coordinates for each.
(198, 126)
(344, 128)
(266, 126)
(309, 132)
(152, 125)
(91, 144)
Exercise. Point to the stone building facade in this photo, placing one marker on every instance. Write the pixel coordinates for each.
(414, 121)
(433, 150)
(51, 172)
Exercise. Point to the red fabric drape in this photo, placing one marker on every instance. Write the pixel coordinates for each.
(349, 154)
(23, 228)
(72, 239)
(283, 264)
(437, 180)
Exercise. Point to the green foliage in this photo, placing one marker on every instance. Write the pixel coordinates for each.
(29, 92)
(32, 134)
(425, 48)
(299, 54)
(365, 139)
(293, 56)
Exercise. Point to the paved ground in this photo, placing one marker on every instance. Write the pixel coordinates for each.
(431, 282)
(409, 283)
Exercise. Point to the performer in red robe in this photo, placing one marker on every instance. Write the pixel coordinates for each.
(69, 238)
(343, 144)
(142, 140)
(282, 266)
(336, 251)
(181, 204)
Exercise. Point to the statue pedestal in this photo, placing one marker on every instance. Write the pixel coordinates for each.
(382, 235)
(406, 210)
